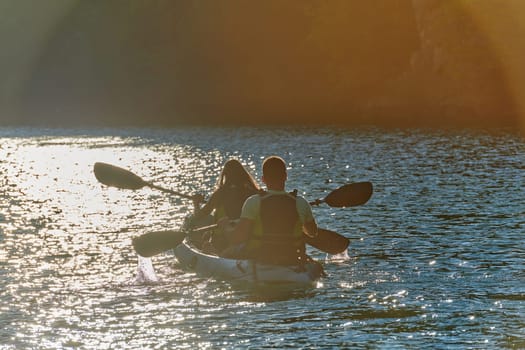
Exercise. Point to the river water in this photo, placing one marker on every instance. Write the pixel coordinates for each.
(436, 258)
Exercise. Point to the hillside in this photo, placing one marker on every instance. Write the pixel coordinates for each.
(171, 62)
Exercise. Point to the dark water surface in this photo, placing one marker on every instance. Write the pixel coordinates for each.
(436, 259)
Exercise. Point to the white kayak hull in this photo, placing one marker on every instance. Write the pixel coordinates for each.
(245, 270)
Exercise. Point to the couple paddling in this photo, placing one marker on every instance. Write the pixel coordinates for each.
(270, 223)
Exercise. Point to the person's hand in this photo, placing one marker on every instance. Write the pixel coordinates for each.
(223, 223)
(197, 199)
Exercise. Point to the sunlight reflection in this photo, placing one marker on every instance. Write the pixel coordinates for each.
(145, 271)
(346, 285)
(338, 257)
(45, 169)
(70, 268)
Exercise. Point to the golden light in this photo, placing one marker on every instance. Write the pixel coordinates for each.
(389, 63)
(501, 23)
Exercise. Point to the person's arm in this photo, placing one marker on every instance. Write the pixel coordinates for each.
(310, 228)
(244, 228)
(207, 208)
(242, 231)
(307, 218)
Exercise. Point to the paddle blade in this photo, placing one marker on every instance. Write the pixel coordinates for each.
(114, 176)
(328, 241)
(350, 195)
(153, 243)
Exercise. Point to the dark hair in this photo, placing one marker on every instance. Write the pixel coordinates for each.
(274, 168)
(234, 174)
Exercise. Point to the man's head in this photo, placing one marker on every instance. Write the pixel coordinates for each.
(274, 172)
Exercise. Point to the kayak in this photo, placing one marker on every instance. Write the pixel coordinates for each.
(189, 256)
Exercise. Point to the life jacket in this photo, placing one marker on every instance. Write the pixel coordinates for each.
(277, 236)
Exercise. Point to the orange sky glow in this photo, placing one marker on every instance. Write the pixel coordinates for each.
(393, 63)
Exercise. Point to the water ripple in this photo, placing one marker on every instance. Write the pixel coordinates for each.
(435, 260)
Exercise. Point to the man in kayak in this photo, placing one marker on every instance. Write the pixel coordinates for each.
(272, 222)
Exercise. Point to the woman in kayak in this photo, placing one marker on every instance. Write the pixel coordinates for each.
(234, 186)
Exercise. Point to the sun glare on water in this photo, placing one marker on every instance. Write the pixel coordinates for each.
(73, 234)
(52, 186)
(59, 177)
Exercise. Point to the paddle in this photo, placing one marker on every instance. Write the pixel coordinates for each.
(328, 241)
(345, 196)
(156, 242)
(331, 242)
(349, 195)
(115, 176)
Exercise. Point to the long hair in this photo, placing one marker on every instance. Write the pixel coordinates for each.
(233, 174)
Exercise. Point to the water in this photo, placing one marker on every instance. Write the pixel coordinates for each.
(436, 259)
